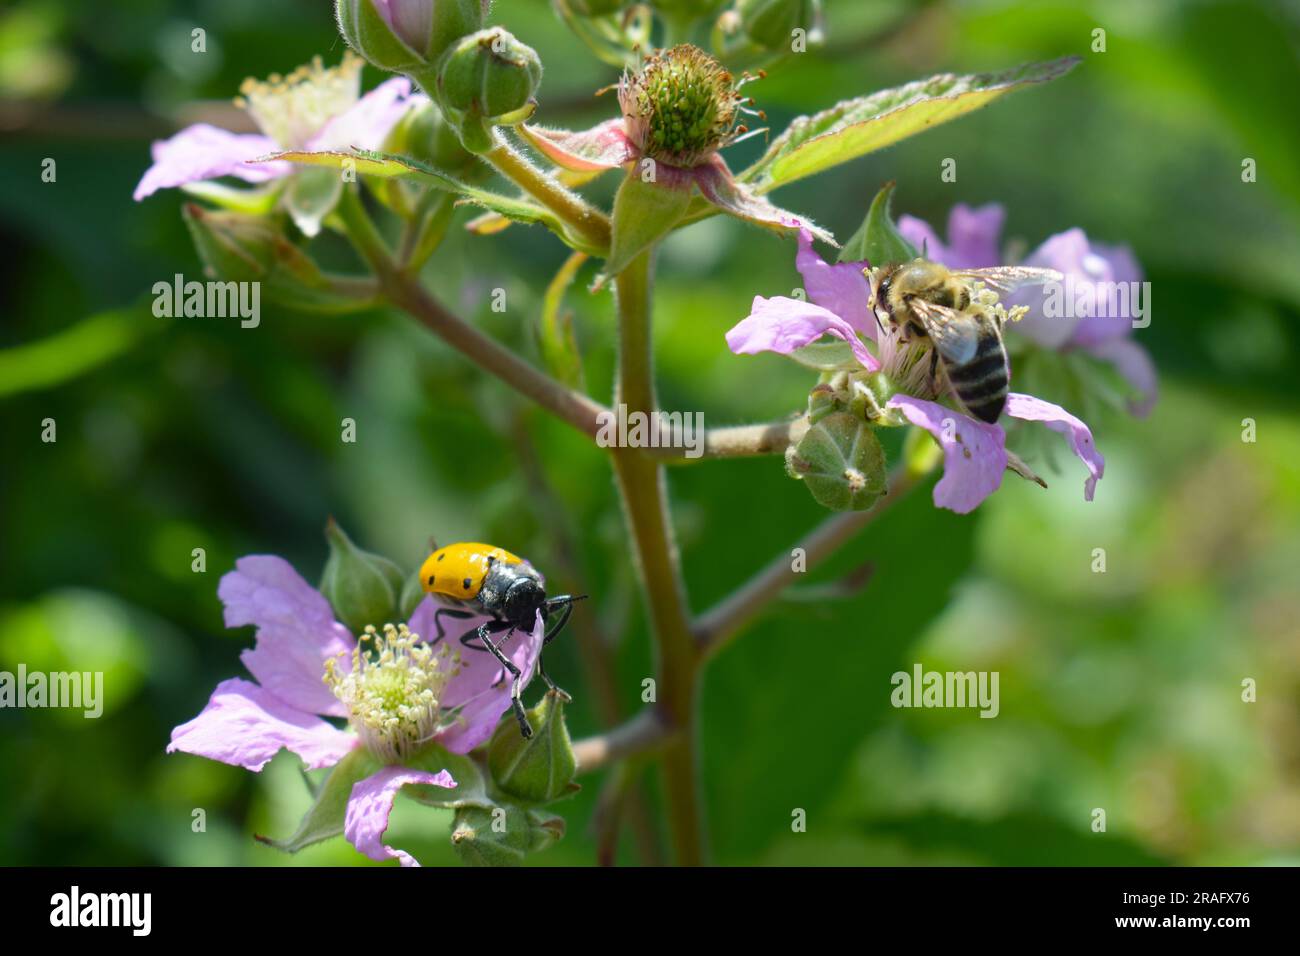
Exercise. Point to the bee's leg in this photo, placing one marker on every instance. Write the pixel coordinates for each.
(491, 627)
(934, 368)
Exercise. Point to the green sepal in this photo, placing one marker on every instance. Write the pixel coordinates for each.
(540, 768)
(361, 587)
(258, 201)
(643, 214)
(233, 246)
(827, 356)
(878, 240)
(841, 462)
(241, 248)
(311, 196)
(325, 818)
(471, 786)
(556, 340)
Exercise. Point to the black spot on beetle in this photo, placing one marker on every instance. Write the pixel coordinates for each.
(466, 583)
(432, 578)
(441, 556)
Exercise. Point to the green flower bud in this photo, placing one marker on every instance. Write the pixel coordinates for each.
(411, 595)
(422, 133)
(233, 246)
(361, 587)
(502, 836)
(488, 79)
(771, 23)
(540, 768)
(406, 36)
(841, 462)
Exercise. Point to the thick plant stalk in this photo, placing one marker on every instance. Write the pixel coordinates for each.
(586, 220)
(645, 502)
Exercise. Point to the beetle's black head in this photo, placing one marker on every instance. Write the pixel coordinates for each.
(523, 600)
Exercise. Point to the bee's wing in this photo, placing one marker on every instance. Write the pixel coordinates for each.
(954, 334)
(1007, 278)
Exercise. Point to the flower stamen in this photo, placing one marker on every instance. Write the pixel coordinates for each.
(292, 109)
(393, 691)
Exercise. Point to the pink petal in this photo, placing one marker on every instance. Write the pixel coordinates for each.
(1056, 418)
(411, 20)
(974, 453)
(371, 803)
(296, 631)
(781, 325)
(926, 241)
(972, 237)
(1134, 364)
(366, 124)
(1066, 252)
(482, 688)
(841, 288)
(720, 188)
(605, 146)
(1109, 264)
(245, 726)
(205, 152)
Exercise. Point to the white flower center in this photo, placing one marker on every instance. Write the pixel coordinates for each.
(393, 691)
(292, 109)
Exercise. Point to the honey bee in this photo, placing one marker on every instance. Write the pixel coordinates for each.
(963, 323)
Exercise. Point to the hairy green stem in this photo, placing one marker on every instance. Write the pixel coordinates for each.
(586, 220)
(645, 501)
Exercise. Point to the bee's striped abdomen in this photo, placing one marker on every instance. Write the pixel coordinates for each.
(981, 384)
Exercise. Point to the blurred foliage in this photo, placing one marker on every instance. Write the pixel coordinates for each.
(1119, 690)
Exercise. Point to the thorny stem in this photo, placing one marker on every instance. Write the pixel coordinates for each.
(645, 501)
(586, 220)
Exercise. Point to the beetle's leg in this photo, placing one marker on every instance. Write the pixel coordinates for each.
(565, 602)
(437, 620)
(484, 630)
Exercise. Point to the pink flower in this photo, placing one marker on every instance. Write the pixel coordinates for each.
(419, 687)
(1090, 269)
(313, 109)
(975, 454)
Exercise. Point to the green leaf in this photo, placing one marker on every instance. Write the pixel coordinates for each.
(878, 240)
(643, 214)
(325, 818)
(73, 351)
(859, 126)
(385, 165)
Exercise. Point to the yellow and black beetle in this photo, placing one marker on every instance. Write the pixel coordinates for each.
(489, 580)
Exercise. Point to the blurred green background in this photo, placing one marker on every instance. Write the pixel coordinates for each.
(1119, 690)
